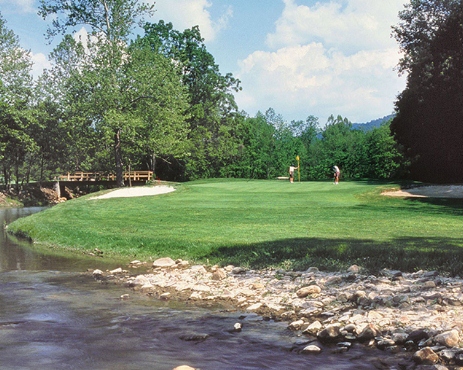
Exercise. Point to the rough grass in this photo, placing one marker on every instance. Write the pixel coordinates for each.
(264, 223)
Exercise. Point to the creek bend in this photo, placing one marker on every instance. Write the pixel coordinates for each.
(53, 316)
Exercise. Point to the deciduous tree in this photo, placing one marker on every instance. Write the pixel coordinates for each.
(131, 96)
(429, 111)
(213, 113)
(16, 119)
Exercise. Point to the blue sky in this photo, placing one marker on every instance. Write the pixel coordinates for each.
(299, 57)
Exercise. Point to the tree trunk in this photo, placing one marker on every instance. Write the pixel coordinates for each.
(118, 156)
(6, 177)
(41, 168)
(16, 174)
(153, 163)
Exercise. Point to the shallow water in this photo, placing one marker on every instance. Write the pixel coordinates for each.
(61, 319)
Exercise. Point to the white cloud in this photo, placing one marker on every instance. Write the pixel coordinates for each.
(302, 80)
(24, 6)
(41, 62)
(336, 57)
(348, 25)
(185, 14)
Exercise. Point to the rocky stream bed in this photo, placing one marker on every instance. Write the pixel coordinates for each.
(416, 317)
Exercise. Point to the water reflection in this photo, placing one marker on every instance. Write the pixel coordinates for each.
(11, 257)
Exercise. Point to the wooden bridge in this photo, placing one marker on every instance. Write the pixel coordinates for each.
(100, 176)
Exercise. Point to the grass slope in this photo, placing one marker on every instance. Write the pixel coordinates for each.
(264, 223)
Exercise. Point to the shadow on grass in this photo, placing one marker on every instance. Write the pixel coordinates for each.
(432, 206)
(405, 254)
(453, 206)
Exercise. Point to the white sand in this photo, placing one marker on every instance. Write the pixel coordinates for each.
(434, 191)
(137, 191)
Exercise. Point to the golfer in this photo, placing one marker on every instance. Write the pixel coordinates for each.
(337, 173)
(291, 173)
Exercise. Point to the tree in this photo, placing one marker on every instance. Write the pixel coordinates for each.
(59, 148)
(429, 111)
(307, 133)
(254, 158)
(340, 145)
(126, 94)
(111, 23)
(16, 120)
(162, 104)
(213, 116)
(384, 157)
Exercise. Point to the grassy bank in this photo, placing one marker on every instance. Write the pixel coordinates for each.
(263, 223)
(7, 202)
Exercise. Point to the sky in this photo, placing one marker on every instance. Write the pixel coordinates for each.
(300, 57)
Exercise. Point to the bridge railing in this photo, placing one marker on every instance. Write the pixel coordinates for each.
(100, 176)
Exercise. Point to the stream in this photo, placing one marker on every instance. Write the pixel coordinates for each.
(54, 317)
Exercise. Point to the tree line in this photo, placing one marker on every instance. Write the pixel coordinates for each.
(158, 101)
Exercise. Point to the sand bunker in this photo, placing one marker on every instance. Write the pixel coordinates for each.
(434, 191)
(137, 191)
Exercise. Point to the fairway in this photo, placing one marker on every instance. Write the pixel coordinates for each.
(264, 223)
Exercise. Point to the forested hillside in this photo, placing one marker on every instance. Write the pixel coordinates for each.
(372, 124)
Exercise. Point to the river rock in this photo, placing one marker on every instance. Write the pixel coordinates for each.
(399, 337)
(296, 325)
(448, 355)
(238, 270)
(97, 272)
(198, 269)
(344, 345)
(333, 280)
(448, 338)
(311, 349)
(194, 337)
(148, 287)
(383, 343)
(313, 328)
(417, 335)
(237, 327)
(354, 269)
(369, 332)
(308, 290)
(219, 274)
(181, 263)
(429, 284)
(330, 334)
(164, 262)
(425, 356)
(254, 307)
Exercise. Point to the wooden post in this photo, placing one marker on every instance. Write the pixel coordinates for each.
(57, 189)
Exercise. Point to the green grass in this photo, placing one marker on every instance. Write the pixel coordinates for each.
(264, 223)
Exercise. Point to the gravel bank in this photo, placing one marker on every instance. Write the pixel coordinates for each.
(420, 314)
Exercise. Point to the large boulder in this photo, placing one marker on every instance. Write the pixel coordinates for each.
(164, 262)
(425, 356)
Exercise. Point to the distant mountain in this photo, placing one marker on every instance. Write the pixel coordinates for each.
(372, 124)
